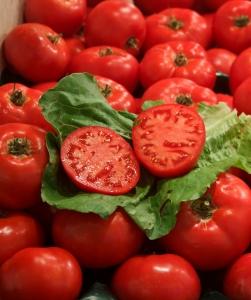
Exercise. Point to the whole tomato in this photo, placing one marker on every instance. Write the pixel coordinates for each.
(213, 231)
(157, 277)
(62, 16)
(19, 104)
(176, 24)
(116, 95)
(228, 99)
(18, 231)
(23, 157)
(242, 97)
(116, 23)
(180, 91)
(36, 52)
(237, 281)
(184, 59)
(40, 273)
(97, 242)
(232, 26)
(221, 59)
(110, 62)
(45, 86)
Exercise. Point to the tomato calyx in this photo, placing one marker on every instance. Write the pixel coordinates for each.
(180, 60)
(175, 24)
(54, 38)
(105, 90)
(184, 99)
(203, 207)
(132, 43)
(241, 21)
(17, 97)
(105, 52)
(19, 146)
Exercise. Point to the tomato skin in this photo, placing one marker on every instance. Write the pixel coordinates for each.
(18, 231)
(110, 62)
(221, 59)
(62, 16)
(195, 27)
(242, 97)
(163, 144)
(40, 273)
(214, 241)
(97, 242)
(75, 44)
(157, 277)
(36, 52)
(45, 86)
(213, 5)
(184, 59)
(172, 89)
(237, 281)
(116, 95)
(229, 100)
(21, 175)
(125, 17)
(227, 33)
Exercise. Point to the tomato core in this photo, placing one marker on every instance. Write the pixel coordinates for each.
(184, 100)
(241, 21)
(17, 97)
(180, 60)
(19, 146)
(203, 207)
(175, 24)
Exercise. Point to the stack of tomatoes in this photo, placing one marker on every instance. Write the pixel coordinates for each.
(173, 50)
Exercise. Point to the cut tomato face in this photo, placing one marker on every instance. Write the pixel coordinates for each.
(97, 159)
(168, 139)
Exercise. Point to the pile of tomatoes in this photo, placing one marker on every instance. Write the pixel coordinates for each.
(169, 50)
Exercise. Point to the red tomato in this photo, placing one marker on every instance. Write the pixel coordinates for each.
(184, 59)
(18, 231)
(75, 45)
(241, 69)
(168, 139)
(156, 277)
(116, 95)
(176, 24)
(180, 91)
(40, 273)
(237, 282)
(23, 157)
(213, 4)
(242, 97)
(151, 7)
(110, 62)
(62, 16)
(45, 86)
(19, 104)
(213, 231)
(97, 242)
(232, 26)
(36, 52)
(229, 100)
(93, 3)
(116, 23)
(97, 159)
(221, 59)
(210, 19)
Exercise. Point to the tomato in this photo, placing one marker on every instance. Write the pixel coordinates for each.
(213, 231)
(209, 17)
(116, 23)
(18, 231)
(92, 3)
(168, 139)
(62, 16)
(176, 24)
(237, 282)
(213, 4)
(40, 273)
(23, 157)
(229, 100)
(97, 242)
(75, 44)
(221, 59)
(151, 7)
(45, 86)
(156, 277)
(242, 97)
(180, 91)
(116, 95)
(97, 159)
(36, 52)
(110, 62)
(184, 59)
(232, 26)
(241, 69)
(20, 104)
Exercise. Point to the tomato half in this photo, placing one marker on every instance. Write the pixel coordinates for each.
(97, 159)
(97, 242)
(242, 97)
(168, 139)
(213, 231)
(157, 277)
(221, 59)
